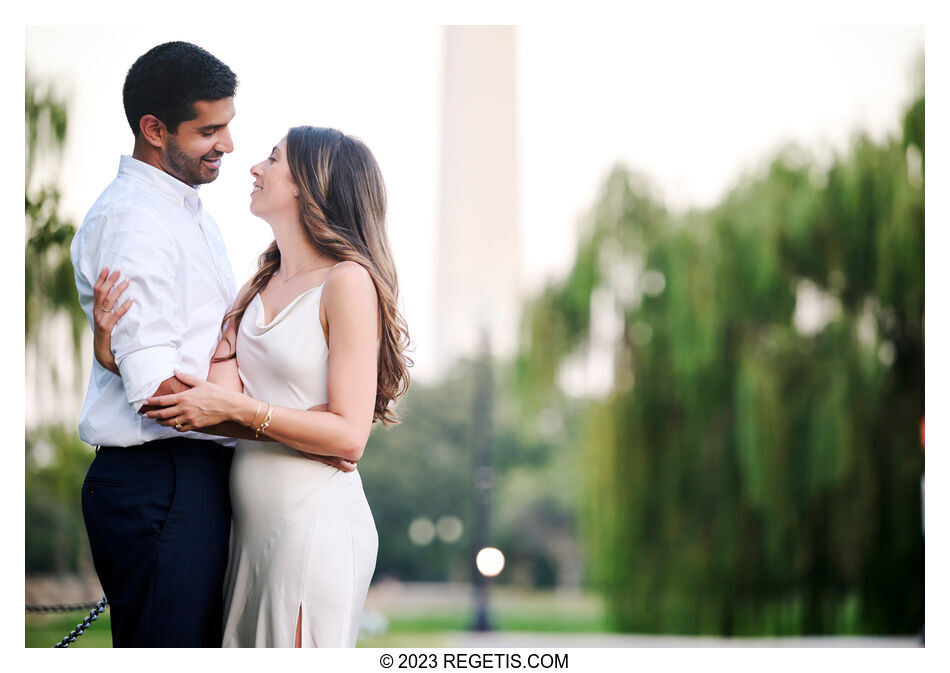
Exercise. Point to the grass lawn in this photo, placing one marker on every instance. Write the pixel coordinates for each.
(511, 609)
(47, 630)
(410, 623)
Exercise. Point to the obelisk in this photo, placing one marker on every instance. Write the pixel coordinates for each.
(478, 246)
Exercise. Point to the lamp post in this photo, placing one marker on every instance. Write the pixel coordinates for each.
(484, 478)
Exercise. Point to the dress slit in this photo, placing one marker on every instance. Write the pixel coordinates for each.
(297, 633)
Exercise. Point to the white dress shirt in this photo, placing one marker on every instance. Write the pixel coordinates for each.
(151, 227)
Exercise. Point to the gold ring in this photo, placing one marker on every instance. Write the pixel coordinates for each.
(106, 310)
(177, 425)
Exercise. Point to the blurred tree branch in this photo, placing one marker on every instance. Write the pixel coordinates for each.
(50, 288)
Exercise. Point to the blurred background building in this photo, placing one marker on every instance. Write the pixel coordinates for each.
(478, 260)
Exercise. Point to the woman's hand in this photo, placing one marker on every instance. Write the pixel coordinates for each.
(206, 404)
(202, 405)
(105, 315)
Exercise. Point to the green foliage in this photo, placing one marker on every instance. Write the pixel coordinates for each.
(47, 630)
(425, 467)
(56, 460)
(746, 476)
(422, 468)
(49, 272)
(56, 464)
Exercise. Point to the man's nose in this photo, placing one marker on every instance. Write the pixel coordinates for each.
(224, 144)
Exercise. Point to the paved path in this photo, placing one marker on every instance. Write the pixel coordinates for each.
(566, 640)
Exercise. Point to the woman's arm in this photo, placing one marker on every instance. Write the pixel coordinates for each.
(106, 313)
(224, 372)
(351, 309)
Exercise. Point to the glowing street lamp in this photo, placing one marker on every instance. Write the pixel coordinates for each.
(490, 561)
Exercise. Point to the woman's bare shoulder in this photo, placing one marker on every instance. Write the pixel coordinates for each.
(349, 277)
(348, 287)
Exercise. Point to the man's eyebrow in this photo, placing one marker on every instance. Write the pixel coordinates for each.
(211, 127)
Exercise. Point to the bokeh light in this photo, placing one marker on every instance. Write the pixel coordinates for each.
(421, 531)
(449, 528)
(490, 561)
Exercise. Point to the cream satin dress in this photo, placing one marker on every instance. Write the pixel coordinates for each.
(303, 537)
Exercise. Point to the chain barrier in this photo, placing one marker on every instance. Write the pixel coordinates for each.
(95, 609)
(73, 607)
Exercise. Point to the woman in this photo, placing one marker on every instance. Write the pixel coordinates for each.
(312, 355)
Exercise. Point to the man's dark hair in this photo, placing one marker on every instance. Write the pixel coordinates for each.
(166, 81)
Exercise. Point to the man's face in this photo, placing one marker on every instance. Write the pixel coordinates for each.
(193, 153)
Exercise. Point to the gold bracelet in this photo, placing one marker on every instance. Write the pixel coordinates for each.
(259, 405)
(270, 410)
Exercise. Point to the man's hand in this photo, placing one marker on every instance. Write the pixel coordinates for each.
(333, 461)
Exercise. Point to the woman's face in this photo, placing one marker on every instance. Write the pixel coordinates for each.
(274, 192)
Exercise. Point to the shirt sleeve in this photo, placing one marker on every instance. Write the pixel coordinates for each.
(146, 341)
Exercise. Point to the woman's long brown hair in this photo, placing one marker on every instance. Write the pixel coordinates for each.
(342, 206)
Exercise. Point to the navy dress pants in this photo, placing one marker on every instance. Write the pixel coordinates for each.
(158, 518)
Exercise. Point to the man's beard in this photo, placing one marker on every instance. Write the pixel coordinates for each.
(190, 171)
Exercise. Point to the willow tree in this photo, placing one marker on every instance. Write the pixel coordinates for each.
(49, 273)
(751, 471)
(55, 458)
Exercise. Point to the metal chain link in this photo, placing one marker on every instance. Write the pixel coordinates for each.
(73, 607)
(97, 609)
(81, 627)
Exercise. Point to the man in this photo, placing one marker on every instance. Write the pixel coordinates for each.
(155, 501)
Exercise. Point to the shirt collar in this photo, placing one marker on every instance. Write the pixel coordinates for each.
(161, 181)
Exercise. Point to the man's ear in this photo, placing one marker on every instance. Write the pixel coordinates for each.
(153, 130)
